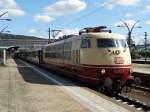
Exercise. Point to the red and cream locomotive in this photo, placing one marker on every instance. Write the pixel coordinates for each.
(95, 56)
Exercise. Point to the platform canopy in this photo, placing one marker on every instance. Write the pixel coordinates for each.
(9, 47)
(3, 53)
(3, 47)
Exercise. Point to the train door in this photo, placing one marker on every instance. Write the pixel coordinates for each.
(40, 56)
(77, 56)
(76, 52)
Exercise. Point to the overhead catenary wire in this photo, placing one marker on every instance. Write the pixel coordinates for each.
(74, 21)
(90, 13)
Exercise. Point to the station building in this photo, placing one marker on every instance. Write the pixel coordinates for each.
(9, 46)
(24, 43)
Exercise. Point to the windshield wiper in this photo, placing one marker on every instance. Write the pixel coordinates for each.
(125, 48)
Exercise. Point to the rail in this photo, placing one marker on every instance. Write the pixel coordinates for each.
(136, 103)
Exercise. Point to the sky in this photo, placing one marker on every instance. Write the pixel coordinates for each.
(34, 17)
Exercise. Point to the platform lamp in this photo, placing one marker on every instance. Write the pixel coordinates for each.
(4, 18)
(129, 30)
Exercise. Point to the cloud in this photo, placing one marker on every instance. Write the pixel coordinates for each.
(112, 4)
(147, 22)
(32, 31)
(65, 7)
(109, 6)
(147, 9)
(43, 18)
(16, 12)
(128, 14)
(60, 8)
(12, 7)
(127, 2)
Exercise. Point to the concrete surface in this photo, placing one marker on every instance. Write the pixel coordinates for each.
(23, 90)
(141, 68)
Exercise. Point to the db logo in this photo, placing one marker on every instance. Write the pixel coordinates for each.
(116, 52)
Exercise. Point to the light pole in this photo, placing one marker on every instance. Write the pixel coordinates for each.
(129, 29)
(3, 29)
(54, 34)
(3, 15)
(6, 19)
(145, 45)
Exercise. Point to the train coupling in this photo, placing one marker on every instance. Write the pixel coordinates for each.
(130, 81)
(117, 87)
(129, 84)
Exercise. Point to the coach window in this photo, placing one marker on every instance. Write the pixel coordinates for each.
(86, 43)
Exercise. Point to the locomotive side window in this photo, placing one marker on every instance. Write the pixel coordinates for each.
(102, 43)
(86, 43)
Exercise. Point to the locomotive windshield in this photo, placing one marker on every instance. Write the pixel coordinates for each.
(102, 43)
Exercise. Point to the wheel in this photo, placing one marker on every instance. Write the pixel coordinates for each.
(137, 81)
(126, 89)
(101, 89)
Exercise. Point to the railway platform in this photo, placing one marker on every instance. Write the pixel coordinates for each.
(141, 73)
(27, 88)
(141, 68)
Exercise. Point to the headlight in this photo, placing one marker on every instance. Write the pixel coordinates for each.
(103, 71)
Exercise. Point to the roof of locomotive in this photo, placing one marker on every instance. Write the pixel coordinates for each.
(93, 35)
(62, 40)
(103, 35)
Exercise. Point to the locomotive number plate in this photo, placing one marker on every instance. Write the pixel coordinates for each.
(118, 60)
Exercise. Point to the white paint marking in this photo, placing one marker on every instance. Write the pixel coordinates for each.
(19, 66)
(113, 98)
(118, 100)
(93, 102)
(131, 106)
(139, 109)
(124, 102)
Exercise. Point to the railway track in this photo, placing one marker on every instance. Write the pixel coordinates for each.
(132, 102)
(142, 88)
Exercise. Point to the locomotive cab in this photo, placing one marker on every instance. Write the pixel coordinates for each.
(108, 55)
(95, 56)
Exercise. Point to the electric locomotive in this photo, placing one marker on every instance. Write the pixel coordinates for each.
(96, 56)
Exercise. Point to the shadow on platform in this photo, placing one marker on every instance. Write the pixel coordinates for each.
(31, 76)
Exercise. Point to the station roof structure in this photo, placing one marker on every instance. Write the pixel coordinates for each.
(1, 47)
(9, 47)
